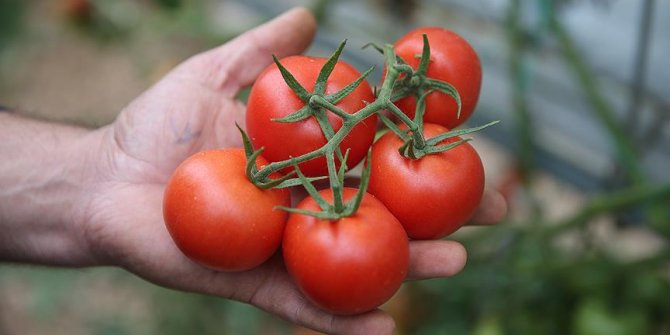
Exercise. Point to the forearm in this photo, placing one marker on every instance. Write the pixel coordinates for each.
(41, 176)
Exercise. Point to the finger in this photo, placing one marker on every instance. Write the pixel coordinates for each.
(267, 287)
(373, 322)
(279, 295)
(492, 209)
(237, 63)
(433, 259)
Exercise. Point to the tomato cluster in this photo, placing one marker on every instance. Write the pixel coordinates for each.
(346, 249)
(270, 98)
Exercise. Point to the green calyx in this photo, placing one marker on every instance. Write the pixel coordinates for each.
(317, 100)
(417, 83)
(400, 81)
(265, 182)
(338, 209)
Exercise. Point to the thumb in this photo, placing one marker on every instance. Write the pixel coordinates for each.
(237, 63)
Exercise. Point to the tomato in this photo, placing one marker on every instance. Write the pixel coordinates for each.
(271, 98)
(350, 265)
(217, 217)
(453, 60)
(433, 196)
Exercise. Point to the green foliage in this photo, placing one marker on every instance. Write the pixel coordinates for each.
(169, 4)
(11, 16)
(518, 282)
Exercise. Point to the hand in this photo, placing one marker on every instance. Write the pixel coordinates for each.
(194, 108)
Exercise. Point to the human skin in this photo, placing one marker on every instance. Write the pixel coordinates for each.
(77, 197)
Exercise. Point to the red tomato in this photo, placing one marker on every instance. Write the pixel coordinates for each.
(351, 265)
(433, 196)
(452, 60)
(270, 98)
(217, 217)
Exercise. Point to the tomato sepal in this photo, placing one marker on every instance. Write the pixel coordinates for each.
(459, 132)
(290, 80)
(264, 182)
(422, 69)
(336, 97)
(301, 114)
(327, 69)
(448, 89)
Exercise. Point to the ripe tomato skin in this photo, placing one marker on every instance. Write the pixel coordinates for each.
(432, 197)
(217, 217)
(351, 265)
(270, 98)
(453, 60)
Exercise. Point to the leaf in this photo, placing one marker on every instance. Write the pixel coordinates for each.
(459, 132)
(301, 114)
(447, 89)
(336, 97)
(251, 168)
(248, 147)
(443, 148)
(374, 46)
(292, 83)
(327, 69)
(425, 57)
(286, 182)
(273, 183)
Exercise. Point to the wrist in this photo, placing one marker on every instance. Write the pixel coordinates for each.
(40, 190)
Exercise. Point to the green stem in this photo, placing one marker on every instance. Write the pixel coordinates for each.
(319, 105)
(616, 201)
(327, 128)
(518, 72)
(417, 134)
(322, 102)
(335, 183)
(625, 149)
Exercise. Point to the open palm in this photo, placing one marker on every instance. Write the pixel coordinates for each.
(190, 109)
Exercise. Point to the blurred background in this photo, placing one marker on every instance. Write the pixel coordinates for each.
(582, 154)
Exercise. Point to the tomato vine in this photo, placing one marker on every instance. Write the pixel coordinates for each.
(400, 81)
